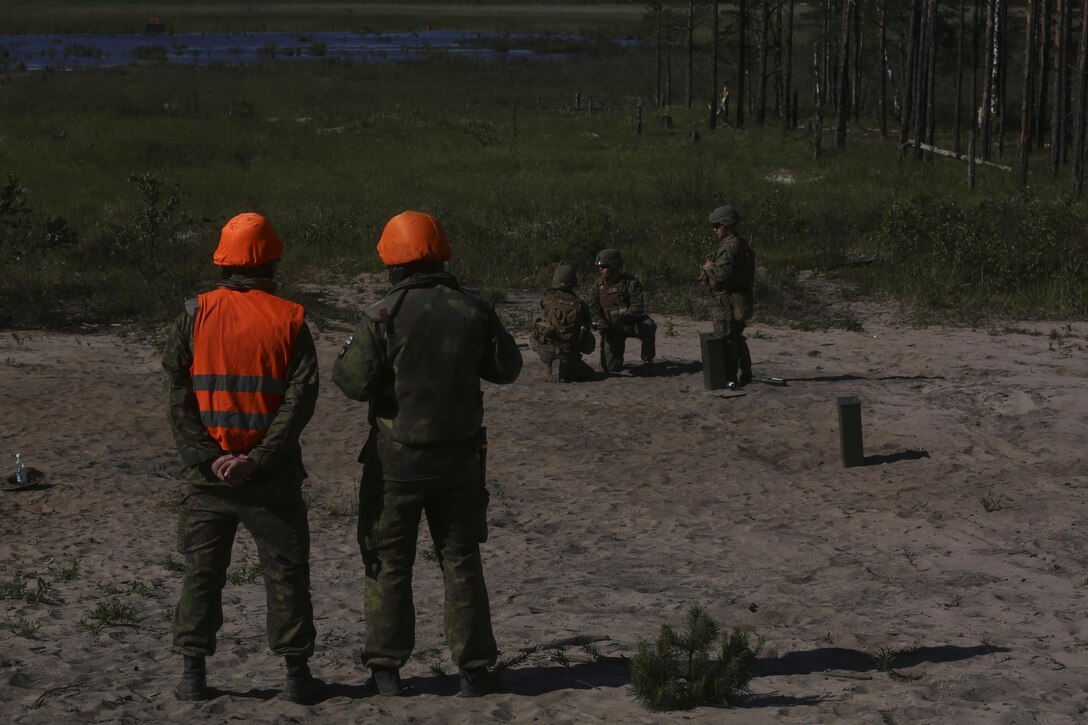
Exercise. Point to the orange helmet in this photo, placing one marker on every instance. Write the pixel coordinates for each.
(413, 236)
(248, 240)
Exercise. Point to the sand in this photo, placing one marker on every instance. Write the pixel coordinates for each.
(943, 581)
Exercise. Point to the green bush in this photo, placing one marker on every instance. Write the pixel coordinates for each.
(677, 672)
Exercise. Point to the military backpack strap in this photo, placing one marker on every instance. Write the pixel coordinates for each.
(386, 316)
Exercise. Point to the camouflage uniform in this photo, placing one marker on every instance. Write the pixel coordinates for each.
(731, 281)
(568, 352)
(418, 358)
(617, 307)
(270, 506)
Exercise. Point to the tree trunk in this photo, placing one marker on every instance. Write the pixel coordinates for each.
(844, 74)
(691, 50)
(989, 85)
(859, 38)
(715, 104)
(921, 79)
(761, 83)
(1081, 86)
(1030, 29)
(931, 75)
(1042, 66)
(957, 122)
(1061, 85)
(884, 69)
(742, 48)
(787, 70)
(910, 77)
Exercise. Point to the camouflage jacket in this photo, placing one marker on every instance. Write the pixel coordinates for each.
(418, 358)
(734, 267)
(612, 300)
(566, 310)
(278, 455)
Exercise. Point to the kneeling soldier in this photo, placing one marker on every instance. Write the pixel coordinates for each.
(564, 333)
(618, 310)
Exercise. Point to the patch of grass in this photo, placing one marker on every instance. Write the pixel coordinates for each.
(109, 614)
(44, 593)
(438, 669)
(884, 659)
(991, 502)
(26, 629)
(12, 589)
(505, 663)
(677, 671)
(173, 565)
(246, 574)
(141, 589)
(66, 572)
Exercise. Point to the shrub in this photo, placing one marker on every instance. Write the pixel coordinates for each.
(677, 672)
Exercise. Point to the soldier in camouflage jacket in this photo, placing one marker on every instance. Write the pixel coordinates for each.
(618, 310)
(417, 359)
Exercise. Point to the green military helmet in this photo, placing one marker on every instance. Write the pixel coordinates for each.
(564, 277)
(610, 258)
(725, 215)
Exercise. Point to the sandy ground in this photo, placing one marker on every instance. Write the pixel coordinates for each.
(944, 581)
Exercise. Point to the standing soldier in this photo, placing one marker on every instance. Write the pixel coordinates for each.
(241, 380)
(564, 333)
(418, 358)
(730, 274)
(617, 308)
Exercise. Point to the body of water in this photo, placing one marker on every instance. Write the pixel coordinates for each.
(67, 51)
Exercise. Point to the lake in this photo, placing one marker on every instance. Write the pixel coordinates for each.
(68, 51)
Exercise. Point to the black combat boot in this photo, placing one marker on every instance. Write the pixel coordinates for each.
(387, 681)
(193, 686)
(299, 687)
(479, 682)
(745, 363)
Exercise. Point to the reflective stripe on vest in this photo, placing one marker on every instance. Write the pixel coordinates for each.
(242, 345)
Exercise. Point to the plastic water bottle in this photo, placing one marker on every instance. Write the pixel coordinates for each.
(20, 470)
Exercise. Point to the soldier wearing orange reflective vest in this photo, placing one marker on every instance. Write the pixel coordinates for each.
(242, 382)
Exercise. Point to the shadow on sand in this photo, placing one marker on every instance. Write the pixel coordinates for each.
(894, 457)
(851, 660)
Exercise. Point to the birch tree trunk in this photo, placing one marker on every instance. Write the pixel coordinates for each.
(988, 83)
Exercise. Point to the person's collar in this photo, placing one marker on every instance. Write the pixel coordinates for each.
(239, 282)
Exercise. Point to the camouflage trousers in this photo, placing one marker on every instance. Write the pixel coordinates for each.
(737, 356)
(206, 529)
(389, 517)
(614, 340)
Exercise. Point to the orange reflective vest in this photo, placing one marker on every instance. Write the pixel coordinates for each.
(242, 345)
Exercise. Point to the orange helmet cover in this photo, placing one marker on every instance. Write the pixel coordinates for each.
(247, 240)
(413, 236)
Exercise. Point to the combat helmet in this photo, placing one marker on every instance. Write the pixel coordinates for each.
(247, 240)
(610, 258)
(564, 277)
(725, 215)
(413, 236)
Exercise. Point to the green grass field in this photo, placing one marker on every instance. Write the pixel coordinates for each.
(120, 178)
